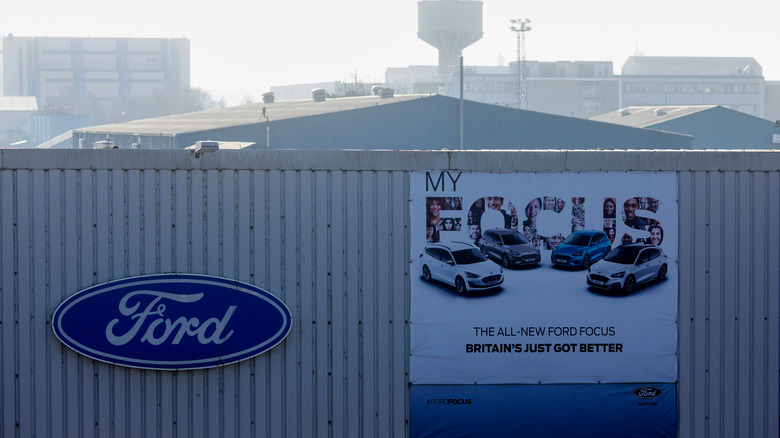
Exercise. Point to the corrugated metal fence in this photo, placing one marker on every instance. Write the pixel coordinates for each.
(327, 232)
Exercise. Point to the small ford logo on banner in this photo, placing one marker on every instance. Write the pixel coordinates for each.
(647, 392)
(172, 321)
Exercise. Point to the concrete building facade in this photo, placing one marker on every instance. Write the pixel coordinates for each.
(55, 69)
(735, 83)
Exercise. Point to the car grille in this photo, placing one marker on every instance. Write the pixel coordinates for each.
(600, 278)
(530, 258)
(562, 259)
(491, 279)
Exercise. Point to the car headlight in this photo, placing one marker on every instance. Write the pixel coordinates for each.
(577, 254)
(471, 275)
(618, 274)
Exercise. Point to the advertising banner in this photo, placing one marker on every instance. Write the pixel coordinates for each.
(617, 410)
(543, 277)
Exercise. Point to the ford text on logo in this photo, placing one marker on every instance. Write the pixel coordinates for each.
(647, 392)
(172, 321)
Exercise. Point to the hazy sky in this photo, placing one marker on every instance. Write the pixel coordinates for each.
(242, 47)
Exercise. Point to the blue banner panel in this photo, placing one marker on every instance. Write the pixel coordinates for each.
(580, 410)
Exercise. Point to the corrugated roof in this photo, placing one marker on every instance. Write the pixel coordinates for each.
(18, 103)
(244, 115)
(646, 116)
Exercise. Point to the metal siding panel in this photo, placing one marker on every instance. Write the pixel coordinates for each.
(382, 293)
(276, 400)
(290, 210)
(197, 222)
(165, 248)
(744, 300)
(71, 382)
(352, 351)
(727, 412)
(228, 229)
(149, 221)
(182, 221)
(165, 397)
(56, 293)
(242, 271)
(367, 311)
(8, 294)
(337, 260)
(23, 273)
(716, 237)
(213, 223)
(39, 341)
(699, 298)
(244, 226)
(760, 227)
(133, 221)
(307, 216)
(321, 290)
(771, 379)
(685, 310)
(117, 205)
(400, 305)
(259, 267)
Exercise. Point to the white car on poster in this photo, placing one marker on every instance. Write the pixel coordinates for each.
(628, 266)
(460, 265)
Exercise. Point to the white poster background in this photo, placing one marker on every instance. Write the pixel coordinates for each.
(641, 325)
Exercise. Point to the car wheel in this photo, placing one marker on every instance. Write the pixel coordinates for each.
(629, 285)
(460, 285)
(662, 273)
(426, 273)
(586, 261)
(505, 261)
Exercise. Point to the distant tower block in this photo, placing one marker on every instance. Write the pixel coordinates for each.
(450, 26)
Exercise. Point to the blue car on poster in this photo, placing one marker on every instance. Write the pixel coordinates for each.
(581, 249)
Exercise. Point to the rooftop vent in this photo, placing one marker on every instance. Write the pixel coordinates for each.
(318, 94)
(268, 97)
(203, 146)
(659, 111)
(104, 144)
(625, 112)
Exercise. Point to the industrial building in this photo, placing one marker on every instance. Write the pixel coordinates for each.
(58, 69)
(15, 114)
(582, 89)
(377, 122)
(736, 83)
(329, 234)
(711, 126)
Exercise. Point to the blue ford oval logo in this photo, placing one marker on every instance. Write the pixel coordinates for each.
(647, 392)
(172, 321)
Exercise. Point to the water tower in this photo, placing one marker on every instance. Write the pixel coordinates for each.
(450, 26)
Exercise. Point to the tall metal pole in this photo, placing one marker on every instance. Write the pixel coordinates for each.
(460, 109)
(520, 26)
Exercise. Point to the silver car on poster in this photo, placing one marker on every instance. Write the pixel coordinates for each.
(628, 266)
(460, 265)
